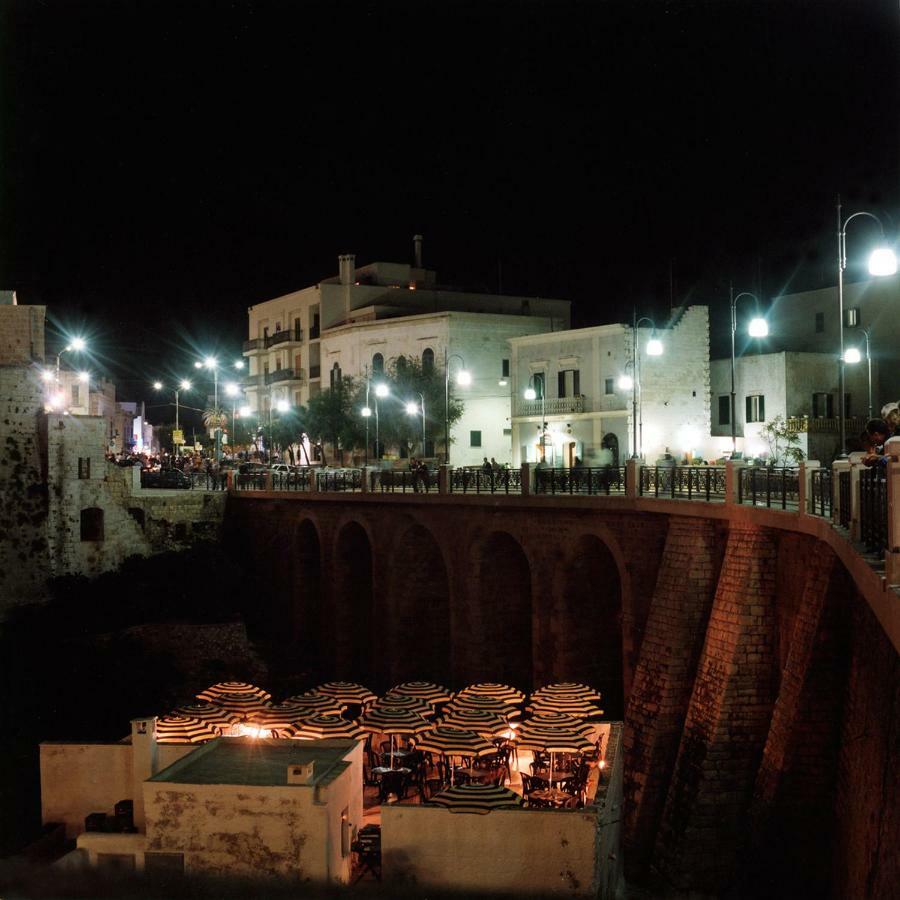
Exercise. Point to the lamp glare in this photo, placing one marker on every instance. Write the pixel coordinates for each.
(84, 377)
(758, 328)
(381, 390)
(366, 412)
(157, 385)
(412, 408)
(530, 394)
(244, 411)
(463, 378)
(654, 347)
(185, 384)
(231, 389)
(282, 406)
(882, 261)
(79, 344)
(626, 382)
(852, 355)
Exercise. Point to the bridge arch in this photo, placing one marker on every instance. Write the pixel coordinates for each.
(352, 643)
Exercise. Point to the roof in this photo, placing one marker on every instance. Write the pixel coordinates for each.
(258, 761)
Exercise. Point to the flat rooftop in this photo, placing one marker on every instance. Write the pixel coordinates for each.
(257, 761)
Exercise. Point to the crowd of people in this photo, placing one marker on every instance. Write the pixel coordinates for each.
(878, 432)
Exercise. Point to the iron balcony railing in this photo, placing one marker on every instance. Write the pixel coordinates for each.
(551, 406)
(389, 481)
(475, 480)
(821, 486)
(873, 509)
(342, 480)
(844, 499)
(602, 480)
(769, 486)
(287, 334)
(825, 424)
(682, 482)
(282, 375)
(252, 344)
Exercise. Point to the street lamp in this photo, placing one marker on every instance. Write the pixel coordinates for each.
(882, 261)
(654, 348)
(757, 328)
(75, 345)
(852, 355)
(381, 391)
(463, 379)
(210, 362)
(412, 410)
(531, 394)
(183, 385)
(232, 390)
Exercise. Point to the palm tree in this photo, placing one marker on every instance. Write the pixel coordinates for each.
(215, 418)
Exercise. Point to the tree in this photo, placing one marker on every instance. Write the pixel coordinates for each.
(330, 417)
(783, 442)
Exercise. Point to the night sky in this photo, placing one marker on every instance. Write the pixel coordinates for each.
(166, 165)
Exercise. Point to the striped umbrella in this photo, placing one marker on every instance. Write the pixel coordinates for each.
(174, 729)
(400, 701)
(233, 688)
(495, 690)
(568, 688)
(317, 704)
(213, 715)
(478, 720)
(347, 692)
(243, 704)
(393, 721)
(450, 741)
(425, 690)
(278, 715)
(503, 708)
(316, 728)
(568, 705)
(559, 720)
(476, 798)
(552, 739)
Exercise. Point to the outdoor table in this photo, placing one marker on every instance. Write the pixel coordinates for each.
(386, 770)
(554, 796)
(391, 780)
(558, 774)
(474, 774)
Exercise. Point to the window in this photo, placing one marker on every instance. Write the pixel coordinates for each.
(427, 361)
(378, 364)
(474, 438)
(820, 323)
(756, 408)
(84, 467)
(401, 364)
(851, 318)
(297, 329)
(822, 405)
(335, 377)
(609, 386)
(265, 332)
(504, 368)
(537, 384)
(568, 383)
(92, 524)
(725, 410)
(74, 395)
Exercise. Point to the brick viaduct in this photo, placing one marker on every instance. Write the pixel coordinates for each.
(759, 690)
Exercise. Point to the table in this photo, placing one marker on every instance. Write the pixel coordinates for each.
(553, 797)
(558, 775)
(476, 774)
(391, 781)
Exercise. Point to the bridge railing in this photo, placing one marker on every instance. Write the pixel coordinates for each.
(581, 480)
(475, 480)
(683, 482)
(389, 481)
(341, 480)
(821, 489)
(769, 486)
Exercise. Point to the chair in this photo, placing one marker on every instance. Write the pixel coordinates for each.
(528, 788)
(393, 783)
(367, 848)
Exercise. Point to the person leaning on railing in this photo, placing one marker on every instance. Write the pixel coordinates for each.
(877, 432)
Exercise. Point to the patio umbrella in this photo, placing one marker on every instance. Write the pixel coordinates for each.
(559, 720)
(552, 740)
(425, 690)
(392, 721)
(243, 704)
(278, 718)
(449, 741)
(233, 688)
(476, 798)
(570, 705)
(174, 729)
(400, 701)
(503, 708)
(316, 703)
(495, 690)
(316, 728)
(478, 720)
(219, 718)
(568, 688)
(347, 692)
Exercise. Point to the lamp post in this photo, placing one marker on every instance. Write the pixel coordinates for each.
(882, 261)
(232, 390)
(463, 379)
(852, 355)
(77, 345)
(757, 328)
(381, 391)
(210, 362)
(183, 385)
(413, 410)
(531, 394)
(654, 348)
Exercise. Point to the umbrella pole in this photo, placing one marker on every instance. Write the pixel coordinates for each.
(392, 751)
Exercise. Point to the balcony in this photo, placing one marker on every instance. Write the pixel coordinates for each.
(314, 333)
(281, 375)
(288, 335)
(251, 345)
(826, 424)
(552, 406)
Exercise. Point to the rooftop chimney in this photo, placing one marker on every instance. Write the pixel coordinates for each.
(417, 244)
(300, 773)
(347, 268)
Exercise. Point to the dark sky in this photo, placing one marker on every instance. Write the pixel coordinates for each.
(165, 165)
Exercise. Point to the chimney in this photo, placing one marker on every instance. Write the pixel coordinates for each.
(144, 762)
(417, 245)
(347, 268)
(300, 773)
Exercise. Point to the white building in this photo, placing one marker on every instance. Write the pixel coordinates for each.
(587, 411)
(357, 322)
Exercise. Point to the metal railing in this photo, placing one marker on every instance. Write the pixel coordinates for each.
(821, 486)
(550, 406)
(873, 509)
(475, 480)
(844, 499)
(343, 480)
(250, 482)
(252, 344)
(390, 481)
(286, 334)
(602, 480)
(292, 481)
(769, 486)
(281, 375)
(682, 482)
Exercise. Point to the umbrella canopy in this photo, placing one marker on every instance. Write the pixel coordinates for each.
(424, 690)
(400, 701)
(213, 715)
(315, 728)
(317, 704)
(570, 705)
(567, 688)
(476, 798)
(174, 729)
(233, 688)
(388, 720)
(480, 721)
(450, 741)
(504, 708)
(559, 720)
(278, 715)
(243, 704)
(495, 690)
(347, 692)
(551, 739)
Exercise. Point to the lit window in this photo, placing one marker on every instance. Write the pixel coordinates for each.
(851, 318)
(756, 408)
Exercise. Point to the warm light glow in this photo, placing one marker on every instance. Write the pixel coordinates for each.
(602, 763)
(47, 375)
(239, 364)
(626, 382)
(185, 384)
(198, 365)
(381, 390)
(84, 377)
(758, 328)
(210, 362)
(366, 412)
(530, 394)
(57, 401)
(244, 411)
(503, 382)
(882, 261)
(157, 385)
(412, 408)
(79, 344)
(852, 355)
(463, 378)
(282, 406)
(231, 389)
(254, 731)
(654, 347)
(688, 438)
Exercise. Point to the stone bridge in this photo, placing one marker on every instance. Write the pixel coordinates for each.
(745, 649)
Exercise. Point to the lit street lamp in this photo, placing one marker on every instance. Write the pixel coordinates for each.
(882, 261)
(654, 348)
(463, 379)
(758, 328)
(412, 410)
(232, 390)
(531, 394)
(381, 391)
(852, 355)
(183, 385)
(75, 345)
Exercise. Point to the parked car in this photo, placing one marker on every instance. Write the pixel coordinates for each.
(281, 469)
(166, 478)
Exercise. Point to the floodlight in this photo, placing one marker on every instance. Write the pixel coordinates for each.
(185, 384)
(282, 406)
(231, 389)
(412, 408)
(79, 344)
(381, 390)
(366, 412)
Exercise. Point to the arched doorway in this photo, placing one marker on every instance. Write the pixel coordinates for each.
(587, 623)
(352, 641)
(306, 627)
(505, 609)
(418, 631)
(611, 442)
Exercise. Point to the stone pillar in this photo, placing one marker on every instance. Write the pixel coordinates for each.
(704, 822)
(805, 484)
(144, 764)
(892, 553)
(444, 479)
(267, 481)
(632, 477)
(855, 469)
(732, 481)
(657, 705)
(229, 479)
(526, 479)
(838, 466)
(365, 479)
(313, 485)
